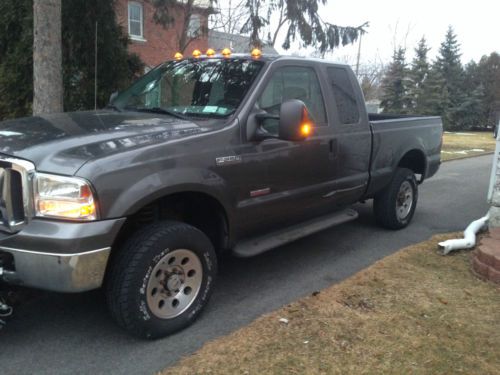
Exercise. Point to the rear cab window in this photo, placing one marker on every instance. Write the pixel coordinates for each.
(344, 94)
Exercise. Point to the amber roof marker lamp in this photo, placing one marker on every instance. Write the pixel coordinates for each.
(210, 52)
(226, 52)
(256, 53)
(178, 56)
(196, 53)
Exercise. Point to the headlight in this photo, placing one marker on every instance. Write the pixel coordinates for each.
(64, 197)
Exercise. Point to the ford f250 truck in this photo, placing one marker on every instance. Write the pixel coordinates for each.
(199, 157)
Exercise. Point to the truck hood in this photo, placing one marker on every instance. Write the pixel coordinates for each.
(63, 142)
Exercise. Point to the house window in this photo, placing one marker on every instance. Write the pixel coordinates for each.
(194, 26)
(135, 21)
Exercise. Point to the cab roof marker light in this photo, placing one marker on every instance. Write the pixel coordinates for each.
(178, 56)
(196, 53)
(210, 52)
(226, 52)
(256, 53)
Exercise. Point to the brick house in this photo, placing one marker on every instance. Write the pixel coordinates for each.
(150, 40)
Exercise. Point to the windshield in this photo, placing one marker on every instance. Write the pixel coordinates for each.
(192, 88)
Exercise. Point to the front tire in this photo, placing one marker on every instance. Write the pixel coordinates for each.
(161, 279)
(395, 206)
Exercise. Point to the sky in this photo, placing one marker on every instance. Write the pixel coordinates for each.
(394, 23)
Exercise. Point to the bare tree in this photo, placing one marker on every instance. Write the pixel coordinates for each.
(178, 14)
(229, 16)
(370, 75)
(47, 57)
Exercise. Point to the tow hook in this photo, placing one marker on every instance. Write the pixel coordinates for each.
(5, 309)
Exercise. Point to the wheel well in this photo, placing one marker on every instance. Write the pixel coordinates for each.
(197, 209)
(414, 160)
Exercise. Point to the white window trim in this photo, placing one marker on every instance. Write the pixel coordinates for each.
(139, 38)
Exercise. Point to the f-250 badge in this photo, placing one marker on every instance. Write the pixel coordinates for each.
(228, 160)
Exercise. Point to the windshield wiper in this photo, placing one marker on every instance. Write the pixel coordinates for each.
(162, 111)
(208, 114)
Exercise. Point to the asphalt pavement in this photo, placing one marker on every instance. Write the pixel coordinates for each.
(73, 334)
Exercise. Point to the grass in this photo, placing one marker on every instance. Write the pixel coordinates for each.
(459, 145)
(413, 312)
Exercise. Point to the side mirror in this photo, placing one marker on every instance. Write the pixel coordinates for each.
(295, 123)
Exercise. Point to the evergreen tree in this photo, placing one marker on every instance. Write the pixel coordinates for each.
(489, 76)
(435, 94)
(116, 66)
(395, 85)
(302, 21)
(449, 66)
(16, 58)
(418, 74)
(472, 108)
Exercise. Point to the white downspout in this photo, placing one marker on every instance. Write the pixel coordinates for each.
(469, 239)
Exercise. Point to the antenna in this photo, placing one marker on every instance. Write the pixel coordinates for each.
(95, 69)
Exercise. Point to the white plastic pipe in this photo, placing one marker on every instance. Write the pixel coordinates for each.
(469, 239)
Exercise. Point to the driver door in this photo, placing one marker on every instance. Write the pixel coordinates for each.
(298, 173)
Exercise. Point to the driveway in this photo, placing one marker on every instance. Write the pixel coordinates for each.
(73, 334)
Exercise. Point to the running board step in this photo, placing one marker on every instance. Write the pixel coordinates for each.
(257, 245)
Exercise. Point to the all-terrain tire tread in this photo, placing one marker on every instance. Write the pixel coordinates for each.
(384, 203)
(125, 264)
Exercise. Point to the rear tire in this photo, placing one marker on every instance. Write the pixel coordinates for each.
(395, 206)
(161, 279)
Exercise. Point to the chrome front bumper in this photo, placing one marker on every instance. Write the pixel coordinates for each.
(77, 272)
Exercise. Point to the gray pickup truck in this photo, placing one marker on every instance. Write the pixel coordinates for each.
(199, 157)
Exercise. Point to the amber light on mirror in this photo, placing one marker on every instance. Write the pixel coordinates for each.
(305, 129)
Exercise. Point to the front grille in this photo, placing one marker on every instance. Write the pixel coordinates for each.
(15, 193)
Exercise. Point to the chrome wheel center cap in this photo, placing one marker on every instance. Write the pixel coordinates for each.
(174, 282)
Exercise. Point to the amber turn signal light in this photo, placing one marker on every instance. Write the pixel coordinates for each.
(305, 129)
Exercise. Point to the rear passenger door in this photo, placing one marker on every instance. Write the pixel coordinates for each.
(352, 135)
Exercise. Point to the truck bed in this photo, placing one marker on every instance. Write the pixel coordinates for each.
(394, 133)
(375, 117)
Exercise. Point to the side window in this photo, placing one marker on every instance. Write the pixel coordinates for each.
(345, 96)
(292, 82)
